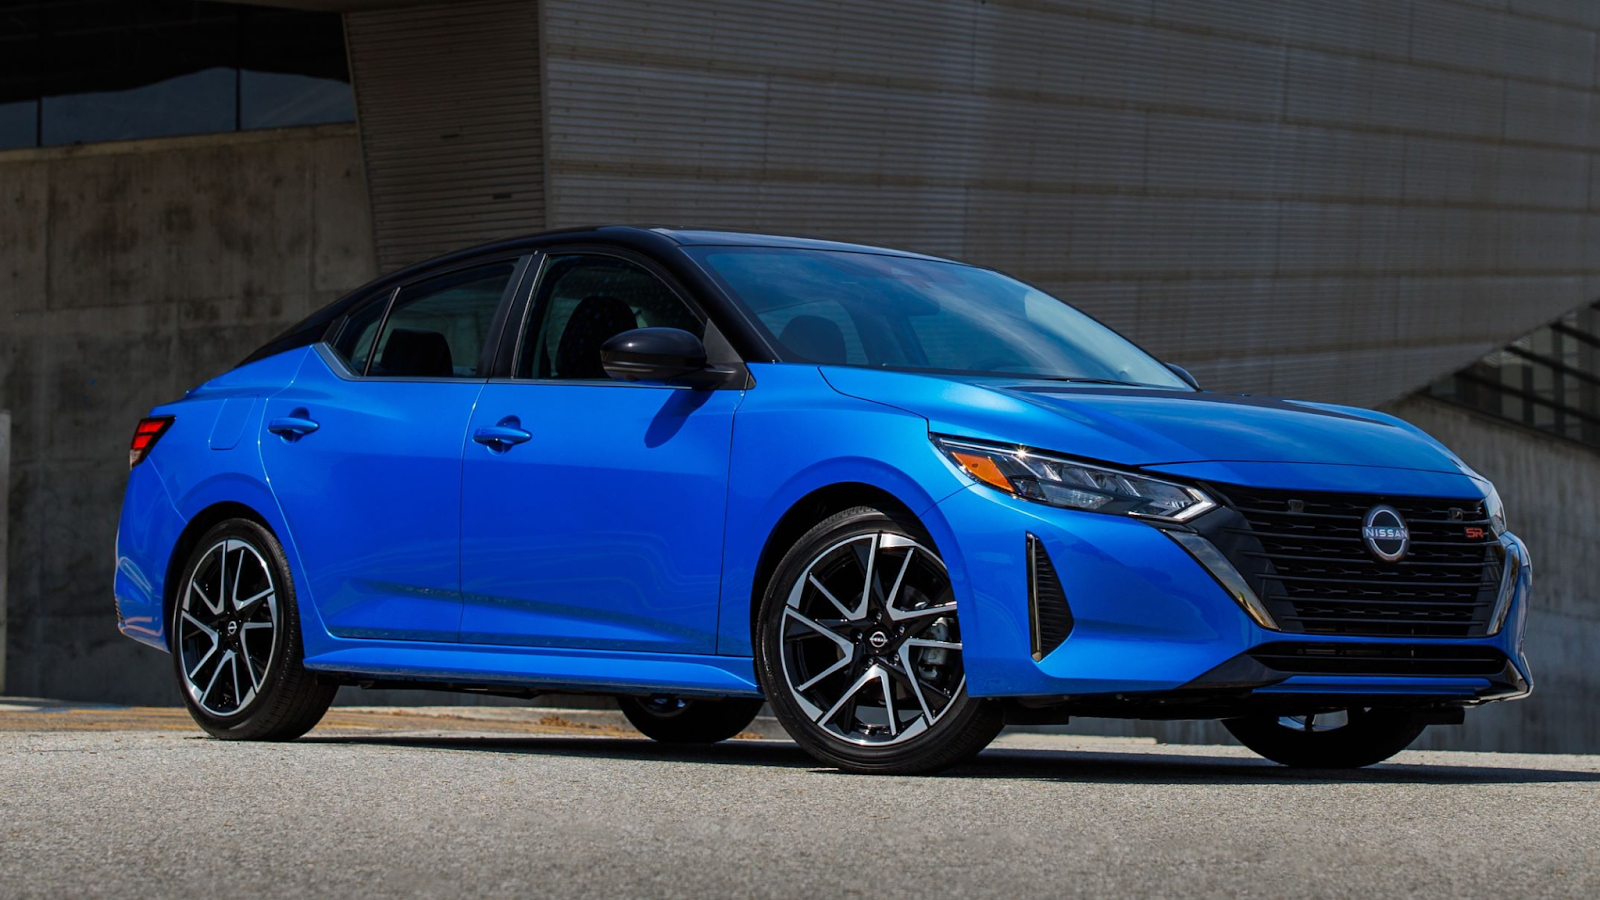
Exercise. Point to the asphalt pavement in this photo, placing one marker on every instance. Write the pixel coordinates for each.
(534, 803)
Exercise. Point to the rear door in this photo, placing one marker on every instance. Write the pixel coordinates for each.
(595, 520)
(364, 453)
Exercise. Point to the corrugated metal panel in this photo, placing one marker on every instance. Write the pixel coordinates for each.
(1334, 200)
(449, 104)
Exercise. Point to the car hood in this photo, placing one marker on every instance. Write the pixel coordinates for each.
(1149, 426)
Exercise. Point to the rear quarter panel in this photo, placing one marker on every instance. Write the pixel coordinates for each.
(210, 455)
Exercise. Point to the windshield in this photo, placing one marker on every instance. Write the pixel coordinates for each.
(847, 308)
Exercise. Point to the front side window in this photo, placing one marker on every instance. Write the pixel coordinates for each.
(586, 299)
(835, 307)
(434, 328)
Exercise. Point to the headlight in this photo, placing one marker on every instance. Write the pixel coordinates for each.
(1069, 484)
(1496, 511)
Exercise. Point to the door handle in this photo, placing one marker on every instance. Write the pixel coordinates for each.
(503, 436)
(294, 426)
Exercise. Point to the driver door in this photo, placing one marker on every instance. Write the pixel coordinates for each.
(593, 509)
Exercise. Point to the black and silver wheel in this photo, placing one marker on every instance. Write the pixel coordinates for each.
(236, 639)
(689, 720)
(1332, 739)
(859, 649)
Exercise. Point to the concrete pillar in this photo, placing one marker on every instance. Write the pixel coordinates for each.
(5, 537)
(451, 124)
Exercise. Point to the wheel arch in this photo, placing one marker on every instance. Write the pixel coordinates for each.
(188, 539)
(805, 513)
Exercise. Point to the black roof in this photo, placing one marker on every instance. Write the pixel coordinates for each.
(645, 238)
(661, 243)
(694, 237)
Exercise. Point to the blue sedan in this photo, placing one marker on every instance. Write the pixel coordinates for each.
(902, 499)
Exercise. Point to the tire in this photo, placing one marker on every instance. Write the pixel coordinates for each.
(683, 720)
(822, 661)
(1366, 737)
(236, 595)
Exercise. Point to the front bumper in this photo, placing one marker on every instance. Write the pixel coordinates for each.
(1152, 630)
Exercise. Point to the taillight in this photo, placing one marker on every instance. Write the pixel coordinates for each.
(145, 436)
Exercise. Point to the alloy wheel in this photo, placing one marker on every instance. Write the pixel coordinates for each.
(870, 642)
(227, 627)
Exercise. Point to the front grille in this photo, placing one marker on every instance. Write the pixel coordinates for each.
(1438, 660)
(1303, 555)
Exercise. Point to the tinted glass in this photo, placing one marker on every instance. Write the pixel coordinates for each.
(354, 343)
(584, 300)
(273, 100)
(21, 66)
(92, 70)
(1548, 380)
(188, 104)
(862, 309)
(19, 124)
(292, 70)
(436, 329)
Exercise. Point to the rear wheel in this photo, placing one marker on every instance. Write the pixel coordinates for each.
(685, 720)
(1340, 739)
(236, 639)
(859, 649)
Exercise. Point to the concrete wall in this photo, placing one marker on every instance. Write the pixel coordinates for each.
(449, 168)
(5, 516)
(128, 273)
(1549, 486)
(1333, 199)
(1330, 199)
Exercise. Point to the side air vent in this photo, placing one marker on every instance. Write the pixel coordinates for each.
(1048, 613)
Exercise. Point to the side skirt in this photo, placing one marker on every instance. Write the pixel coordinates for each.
(542, 670)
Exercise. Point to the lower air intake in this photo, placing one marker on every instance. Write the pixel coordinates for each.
(1380, 659)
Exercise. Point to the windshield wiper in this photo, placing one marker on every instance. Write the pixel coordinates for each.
(1068, 380)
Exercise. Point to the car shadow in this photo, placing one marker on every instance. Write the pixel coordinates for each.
(1159, 768)
(780, 754)
(1073, 766)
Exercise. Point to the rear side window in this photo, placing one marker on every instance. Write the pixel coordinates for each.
(434, 328)
(354, 344)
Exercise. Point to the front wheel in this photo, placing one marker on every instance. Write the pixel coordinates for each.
(858, 647)
(1340, 739)
(235, 639)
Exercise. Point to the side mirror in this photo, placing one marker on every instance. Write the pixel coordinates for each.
(655, 354)
(1183, 373)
